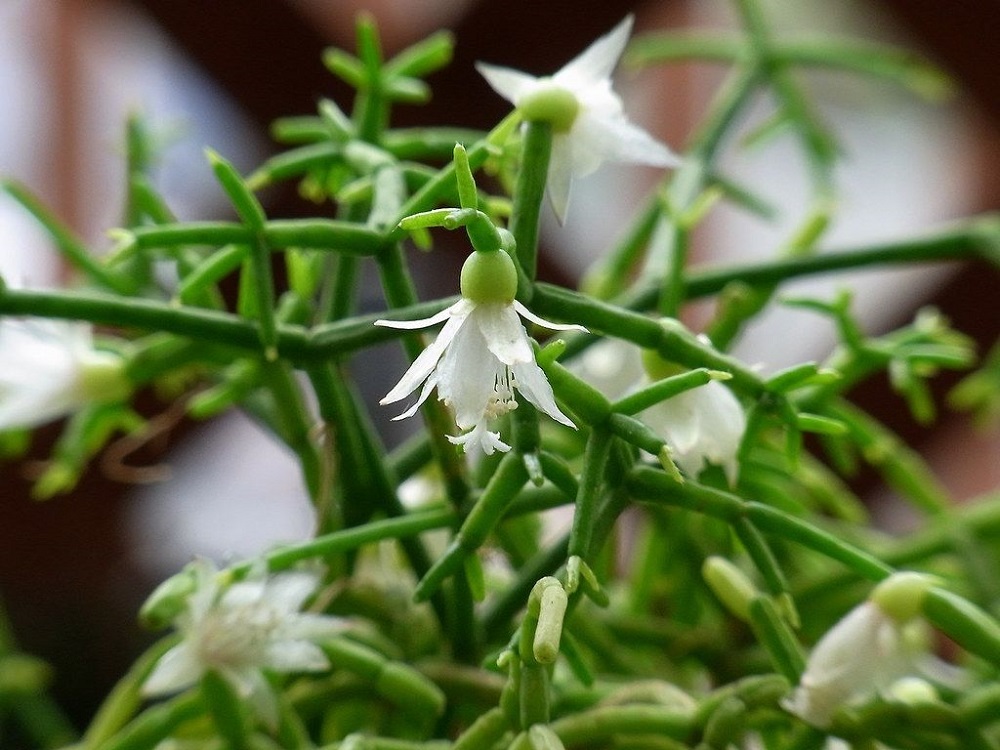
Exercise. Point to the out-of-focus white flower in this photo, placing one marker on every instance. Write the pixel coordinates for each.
(240, 630)
(861, 655)
(480, 356)
(50, 368)
(867, 651)
(702, 425)
(589, 126)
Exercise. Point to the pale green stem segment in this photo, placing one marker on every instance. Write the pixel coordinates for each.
(528, 194)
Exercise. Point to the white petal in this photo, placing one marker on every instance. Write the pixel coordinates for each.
(524, 312)
(560, 178)
(860, 654)
(505, 336)
(679, 419)
(295, 656)
(176, 670)
(429, 385)
(509, 83)
(312, 627)
(703, 424)
(531, 381)
(413, 325)
(31, 408)
(248, 593)
(40, 365)
(287, 592)
(599, 59)
(480, 439)
(425, 362)
(627, 142)
(468, 373)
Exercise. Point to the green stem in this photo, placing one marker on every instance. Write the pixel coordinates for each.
(595, 459)
(652, 485)
(70, 246)
(296, 424)
(528, 194)
(318, 234)
(672, 343)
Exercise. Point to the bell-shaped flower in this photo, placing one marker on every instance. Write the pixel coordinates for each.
(481, 356)
(50, 368)
(867, 651)
(589, 126)
(241, 629)
(704, 425)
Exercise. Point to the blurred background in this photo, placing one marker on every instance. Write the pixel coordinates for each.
(73, 570)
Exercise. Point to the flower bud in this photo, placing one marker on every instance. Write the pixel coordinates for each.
(551, 103)
(489, 277)
(901, 595)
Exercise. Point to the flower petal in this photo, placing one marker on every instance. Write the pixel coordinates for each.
(429, 385)
(287, 592)
(599, 59)
(627, 142)
(414, 325)
(524, 312)
(468, 373)
(312, 627)
(505, 336)
(425, 362)
(480, 439)
(295, 656)
(176, 669)
(560, 178)
(509, 83)
(531, 382)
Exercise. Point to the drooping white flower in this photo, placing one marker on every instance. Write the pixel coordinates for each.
(481, 356)
(240, 630)
(867, 651)
(703, 425)
(476, 362)
(862, 654)
(589, 125)
(50, 368)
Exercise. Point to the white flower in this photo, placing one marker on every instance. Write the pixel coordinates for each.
(238, 631)
(50, 368)
(702, 425)
(589, 125)
(476, 362)
(862, 654)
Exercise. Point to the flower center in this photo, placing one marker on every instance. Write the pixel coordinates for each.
(236, 636)
(502, 401)
(551, 103)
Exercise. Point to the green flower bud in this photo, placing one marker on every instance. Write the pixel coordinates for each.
(489, 277)
(913, 691)
(168, 599)
(553, 104)
(102, 378)
(901, 595)
(731, 585)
